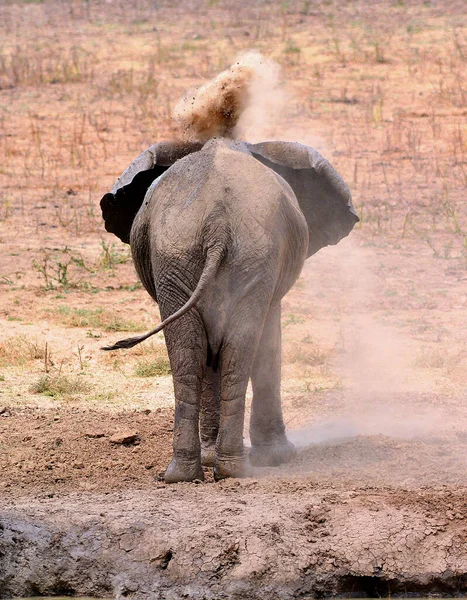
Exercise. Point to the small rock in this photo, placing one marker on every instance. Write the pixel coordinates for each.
(94, 434)
(124, 437)
(86, 485)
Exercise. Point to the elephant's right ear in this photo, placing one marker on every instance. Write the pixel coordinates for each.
(323, 196)
(120, 205)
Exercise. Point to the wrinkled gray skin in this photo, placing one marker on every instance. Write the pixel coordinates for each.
(219, 239)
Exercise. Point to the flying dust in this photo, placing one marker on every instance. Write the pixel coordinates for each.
(244, 101)
(384, 395)
(375, 361)
(389, 412)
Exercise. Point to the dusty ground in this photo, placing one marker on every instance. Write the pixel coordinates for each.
(375, 331)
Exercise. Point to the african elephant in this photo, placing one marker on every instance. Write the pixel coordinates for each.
(219, 233)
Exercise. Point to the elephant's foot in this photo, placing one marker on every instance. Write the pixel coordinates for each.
(208, 455)
(272, 455)
(231, 467)
(183, 470)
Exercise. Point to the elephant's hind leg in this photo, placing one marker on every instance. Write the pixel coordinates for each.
(236, 358)
(187, 346)
(269, 444)
(209, 415)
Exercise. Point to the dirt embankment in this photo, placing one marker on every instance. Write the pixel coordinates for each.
(237, 539)
(90, 517)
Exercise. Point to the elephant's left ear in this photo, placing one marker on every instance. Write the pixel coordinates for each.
(323, 196)
(120, 205)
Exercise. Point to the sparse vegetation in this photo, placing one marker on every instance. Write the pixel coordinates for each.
(152, 368)
(27, 66)
(62, 268)
(292, 319)
(97, 318)
(111, 256)
(154, 364)
(435, 358)
(17, 351)
(381, 95)
(306, 354)
(60, 386)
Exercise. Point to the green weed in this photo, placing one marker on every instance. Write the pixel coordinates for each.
(111, 256)
(60, 268)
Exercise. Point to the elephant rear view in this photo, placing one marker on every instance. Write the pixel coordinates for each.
(218, 239)
(245, 239)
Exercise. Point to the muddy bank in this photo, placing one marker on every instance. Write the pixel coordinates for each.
(249, 539)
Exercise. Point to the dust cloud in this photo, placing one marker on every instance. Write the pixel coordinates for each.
(248, 101)
(244, 101)
(387, 412)
(383, 390)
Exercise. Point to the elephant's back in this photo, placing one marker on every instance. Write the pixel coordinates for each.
(222, 197)
(224, 185)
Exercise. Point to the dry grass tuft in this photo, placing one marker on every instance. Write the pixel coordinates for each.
(306, 355)
(17, 351)
(155, 365)
(57, 386)
(437, 358)
(96, 318)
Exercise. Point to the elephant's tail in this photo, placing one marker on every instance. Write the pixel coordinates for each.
(213, 260)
